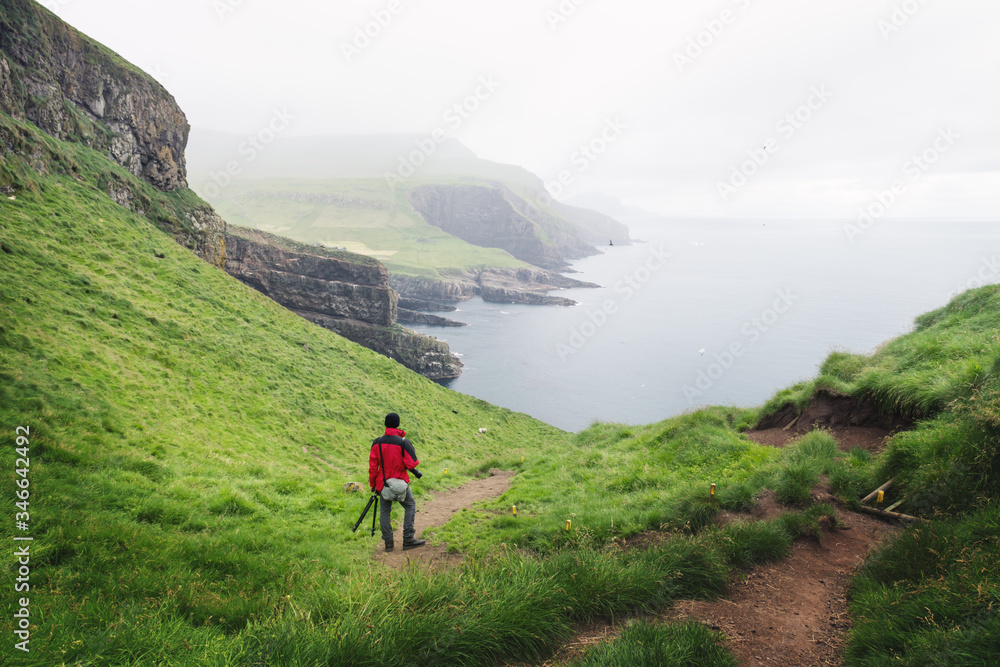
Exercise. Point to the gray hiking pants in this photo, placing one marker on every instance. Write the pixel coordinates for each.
(385, 516)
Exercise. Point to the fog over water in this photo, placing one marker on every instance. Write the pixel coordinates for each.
(781, 295)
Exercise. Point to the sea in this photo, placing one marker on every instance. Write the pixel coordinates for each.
(716, 312)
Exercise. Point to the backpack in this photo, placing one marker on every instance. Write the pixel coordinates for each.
(392, 488)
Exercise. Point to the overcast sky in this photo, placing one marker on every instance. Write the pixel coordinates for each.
(774, 108)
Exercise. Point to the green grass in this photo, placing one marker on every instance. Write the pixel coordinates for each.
(178, 518)
(617, 481)
(363, 215)
(174, 415)
(189, 440)
(945, 375)
(750, 543)
(687, 645)
(931, 597)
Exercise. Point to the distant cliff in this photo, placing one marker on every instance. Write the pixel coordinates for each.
(496, 217)
(343, 292)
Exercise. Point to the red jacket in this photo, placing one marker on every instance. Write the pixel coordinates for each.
(397, 459)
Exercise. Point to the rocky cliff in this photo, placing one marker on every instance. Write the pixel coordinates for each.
(343, 292)
(494, 216)
(81, 93)
(339, 287)
(500, 285)
(76, 90)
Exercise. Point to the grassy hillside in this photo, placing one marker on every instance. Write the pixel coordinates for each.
(177, 420)
(188, 441)
(945, 375)
(362, 215)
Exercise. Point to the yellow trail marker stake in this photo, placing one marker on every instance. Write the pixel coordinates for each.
(514, 510)
(522, 459)
(881, 497)
(568, 522)
(446, 471)
(711, 491)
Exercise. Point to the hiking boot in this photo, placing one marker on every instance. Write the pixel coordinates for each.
(412, 543)
(388, 545)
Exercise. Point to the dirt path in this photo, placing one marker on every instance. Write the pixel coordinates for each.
(793, 612)
(871, 438)
(436, 512)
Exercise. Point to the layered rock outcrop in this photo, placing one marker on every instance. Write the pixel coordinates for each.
(346, 293)
(304, 282)
(499, 285)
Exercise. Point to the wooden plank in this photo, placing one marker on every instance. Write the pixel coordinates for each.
(871, 496)
(890, 515)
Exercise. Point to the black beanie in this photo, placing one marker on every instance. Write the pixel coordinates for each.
(392, 420)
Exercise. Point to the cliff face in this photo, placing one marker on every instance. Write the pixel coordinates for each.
(496, 217)
(346, 294)
(499, 285)
(75, 89)
(311, 283)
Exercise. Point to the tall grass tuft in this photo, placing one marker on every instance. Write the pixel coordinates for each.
(929, 597)
(641, 643)
(745, 544)
(793, 484)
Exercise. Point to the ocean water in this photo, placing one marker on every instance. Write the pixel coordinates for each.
(712, 313)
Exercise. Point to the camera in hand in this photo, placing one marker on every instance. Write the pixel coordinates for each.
(417, 473)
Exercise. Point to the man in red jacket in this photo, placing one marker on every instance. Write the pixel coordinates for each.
(392, 457)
